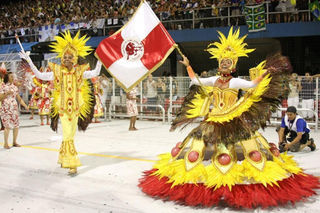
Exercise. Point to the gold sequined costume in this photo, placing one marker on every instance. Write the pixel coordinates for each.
(73, 98)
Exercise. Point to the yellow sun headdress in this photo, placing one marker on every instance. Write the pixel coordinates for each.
(76, 46)
(230, 48)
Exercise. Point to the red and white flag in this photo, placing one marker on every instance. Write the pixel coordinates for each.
(137, 49)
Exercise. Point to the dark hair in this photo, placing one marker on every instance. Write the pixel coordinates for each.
(6, 78)
(292, 109)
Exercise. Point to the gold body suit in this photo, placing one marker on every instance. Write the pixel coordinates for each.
(69, 98)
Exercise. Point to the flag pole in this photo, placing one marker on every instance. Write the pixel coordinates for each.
(195, 74)
(18, 40)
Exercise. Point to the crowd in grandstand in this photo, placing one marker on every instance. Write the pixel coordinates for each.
(25, 16)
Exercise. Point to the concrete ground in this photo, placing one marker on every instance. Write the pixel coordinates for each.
(113, 160)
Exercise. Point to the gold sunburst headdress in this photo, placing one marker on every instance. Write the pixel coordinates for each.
(231, 47)
(76, 46)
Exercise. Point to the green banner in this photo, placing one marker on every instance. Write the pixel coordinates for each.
(315, 9)
(255, 18)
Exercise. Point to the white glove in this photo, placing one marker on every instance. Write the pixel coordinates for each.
(25, 56)
(43, 76)
(98, 65)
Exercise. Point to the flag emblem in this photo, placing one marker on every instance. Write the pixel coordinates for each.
(132, 49)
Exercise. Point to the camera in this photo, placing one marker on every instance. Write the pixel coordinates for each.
(281, 147)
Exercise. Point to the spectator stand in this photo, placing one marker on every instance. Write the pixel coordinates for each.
(183, 18)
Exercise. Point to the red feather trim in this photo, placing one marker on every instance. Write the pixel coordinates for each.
(290, 190)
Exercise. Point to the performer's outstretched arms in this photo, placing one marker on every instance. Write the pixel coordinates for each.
(93, 73)
(46, 76)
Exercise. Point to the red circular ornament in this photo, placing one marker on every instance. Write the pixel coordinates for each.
(275, 151)
(178, 144)
(174, 151)
(226, 74)
(272, 145)
(193, 156)
(255, 155)
(224, 159)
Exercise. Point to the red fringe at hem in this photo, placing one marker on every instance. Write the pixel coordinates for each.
(292, 189)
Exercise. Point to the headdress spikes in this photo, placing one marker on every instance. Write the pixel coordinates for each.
(76, 46)
(231, 47)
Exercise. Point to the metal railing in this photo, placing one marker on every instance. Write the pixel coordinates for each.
(171, 113)
(177, 88)
(312, 123)
(141, 115)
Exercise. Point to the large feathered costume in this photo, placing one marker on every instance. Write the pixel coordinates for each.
(225, 158)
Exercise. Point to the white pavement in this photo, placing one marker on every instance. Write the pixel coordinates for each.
(113, 160)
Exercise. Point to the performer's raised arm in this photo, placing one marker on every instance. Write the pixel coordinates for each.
(192, 76)
(46, 76)
(93, 73)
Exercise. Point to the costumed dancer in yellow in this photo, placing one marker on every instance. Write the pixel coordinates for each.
(73, 100)
(225, 159)
(98, 108)
(44, 102)
(41, 97)
(34, 97)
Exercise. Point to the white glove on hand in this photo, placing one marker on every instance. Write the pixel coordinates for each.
(25, 56)
(99, 64)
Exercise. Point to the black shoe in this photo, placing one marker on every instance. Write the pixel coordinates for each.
(312, 146)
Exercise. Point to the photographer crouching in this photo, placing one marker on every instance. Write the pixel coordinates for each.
(294, 132)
